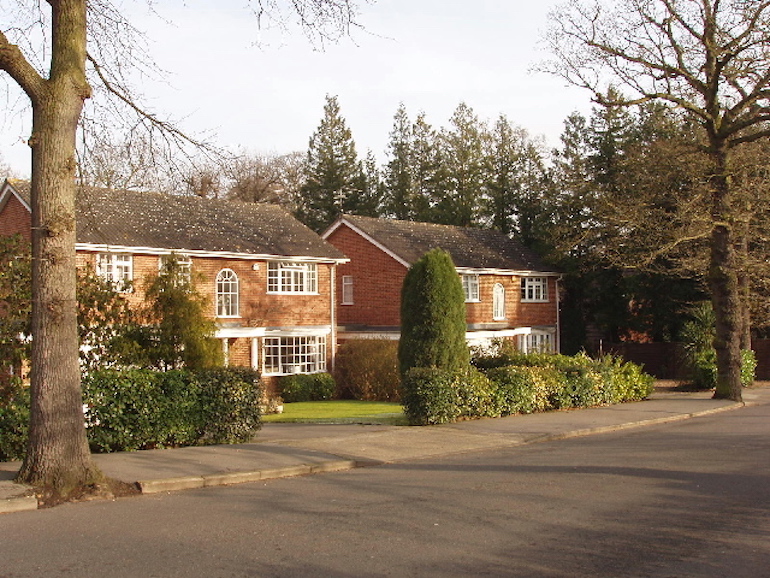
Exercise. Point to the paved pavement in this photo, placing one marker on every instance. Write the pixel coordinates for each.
(282, 450)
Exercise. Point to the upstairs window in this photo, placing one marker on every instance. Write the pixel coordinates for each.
(471, 288)
(347, 290)
(183, 264)
(116, 268)
(534, 289)
(227, 293)
(498, 302)
(291, 277)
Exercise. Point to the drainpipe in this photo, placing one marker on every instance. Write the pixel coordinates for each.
(333, 307)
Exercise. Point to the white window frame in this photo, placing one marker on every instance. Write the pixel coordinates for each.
(184, 262)
(536, 342)
(498, 302)
(227, 290)
(471, 287)
(290, 354)
(534, 289)
(347, 290)
(116, 268)
(292, 277)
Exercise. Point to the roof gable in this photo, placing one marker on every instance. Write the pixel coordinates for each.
(470, 248)
(19, 189)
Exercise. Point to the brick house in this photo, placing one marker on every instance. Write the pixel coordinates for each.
(509, 292)
(270, 279)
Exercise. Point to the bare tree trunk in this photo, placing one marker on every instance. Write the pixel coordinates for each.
(723, 279)
(744, 283)
(58, 457)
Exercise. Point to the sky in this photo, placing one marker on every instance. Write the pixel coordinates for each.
(263, 91)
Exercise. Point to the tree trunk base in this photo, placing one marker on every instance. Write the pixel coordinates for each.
(731, 395)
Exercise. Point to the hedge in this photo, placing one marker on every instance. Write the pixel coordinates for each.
(142, 408)
(539, 382)
(432, 396)
(367, 370)
(14, 421)
(307, 387)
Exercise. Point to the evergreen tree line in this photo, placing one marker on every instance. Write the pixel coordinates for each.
(466, 174)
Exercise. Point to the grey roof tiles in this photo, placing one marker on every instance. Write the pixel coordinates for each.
(188, 223)
(469, 247)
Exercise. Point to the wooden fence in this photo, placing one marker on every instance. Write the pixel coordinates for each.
(666, 360)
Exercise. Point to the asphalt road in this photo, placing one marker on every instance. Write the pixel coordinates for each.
(680, 500)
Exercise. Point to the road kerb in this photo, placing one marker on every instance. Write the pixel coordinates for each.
(18, 504)
(231, 478)
(635, 424)
(171, 484)
(333, 466)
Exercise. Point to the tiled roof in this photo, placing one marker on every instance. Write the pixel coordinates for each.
(187, 223)
(469, 247)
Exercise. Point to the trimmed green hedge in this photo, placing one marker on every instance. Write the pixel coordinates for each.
(431, 395)
(142, 408)
(14, 421)
(538, 382)
(307, 387)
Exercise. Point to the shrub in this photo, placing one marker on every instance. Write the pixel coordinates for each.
(527, 389)
(141, 408)
(624, 381)
(14, 421)
(748, 367)
(307, 387)
(229, 404)
(367, 370)
(704, 368)
(431, 395)
(475, 394)
(433, 316)
(539, 383)
(124, 409)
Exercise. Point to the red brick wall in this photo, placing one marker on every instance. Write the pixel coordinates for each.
(15, 218)
(377, 280)
(257, 307)
(531, 314)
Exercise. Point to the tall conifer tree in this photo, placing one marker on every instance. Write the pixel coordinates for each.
(334, 180)
(462, 148)
(398, 181)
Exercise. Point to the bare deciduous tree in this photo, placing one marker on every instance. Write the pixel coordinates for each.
(708, 58)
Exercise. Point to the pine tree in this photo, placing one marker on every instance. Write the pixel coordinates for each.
(399, 188)
(179, 332)
(334, 179)
(462, 190)
(516, 185)
(372, 190)
(425, 169)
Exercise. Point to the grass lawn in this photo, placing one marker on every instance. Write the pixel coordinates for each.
(345, 411)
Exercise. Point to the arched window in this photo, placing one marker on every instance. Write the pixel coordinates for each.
(498, 302)
(227, 293)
